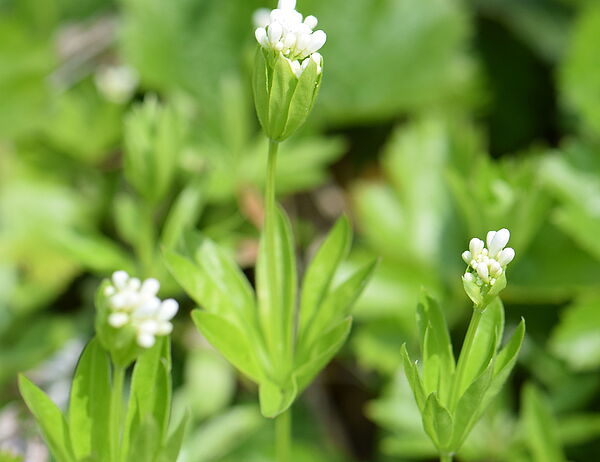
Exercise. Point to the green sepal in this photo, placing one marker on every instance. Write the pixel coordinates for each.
(481, 296)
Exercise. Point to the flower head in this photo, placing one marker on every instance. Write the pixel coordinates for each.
(485, 266)
(284, 30)
(132, 302)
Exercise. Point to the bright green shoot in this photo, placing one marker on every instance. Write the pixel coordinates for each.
(451, 395)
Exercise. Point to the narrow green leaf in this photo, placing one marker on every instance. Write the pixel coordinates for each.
(51, 421)
(414, 380)
(336, 307)
(150, 395)
(145, 442)
(229, 340)
(505, 361)
(184, 213)
(438, 357)
(320, 272)
(276, 399)
(487, 337)
(437, 422)
(90, 402)
(540, 425)
(470, 407)
(325, 349)
(277, 304)
(172, 446)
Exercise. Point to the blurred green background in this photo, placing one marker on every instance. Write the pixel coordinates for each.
(437, 121)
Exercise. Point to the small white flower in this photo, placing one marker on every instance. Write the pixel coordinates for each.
(486, 265)
(285, 31)
(117, 83)
(133, 302)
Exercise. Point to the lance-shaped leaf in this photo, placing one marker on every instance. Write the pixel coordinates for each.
(437, 422)
(325, 349)
(414, 380)
(145, 441)
(89, 403)
(277, 398)
(438, 358)
(276, 289)
(172, 445)
(51, 421)
(230, 341)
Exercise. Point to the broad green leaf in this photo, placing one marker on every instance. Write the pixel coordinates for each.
(541, 427)
(51, 421)
(230, 341)
(172, 446)
(321, 270)
(437, 422)
(276, 399)
(414, 379)
(326, 347)
(277, 304)
(90, 402)
(488, 334)
(438, 357)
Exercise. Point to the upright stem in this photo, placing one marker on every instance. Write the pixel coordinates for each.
(116, 406)
(283, 436)
(445, 457)
(465, 352)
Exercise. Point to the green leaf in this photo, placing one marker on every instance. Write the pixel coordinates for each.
(150, 395)
(277, 304)
(51, 421)
(184, 213)
(576, 339)
(438, 357)
(322, 352)
(320, 273)
(488, 335)
(470, 407)
(145, 441)
(172, 446)
(229, 340)
(90, 402)
(276, 399)
(414, 379)
(437, 422)
(540, 426)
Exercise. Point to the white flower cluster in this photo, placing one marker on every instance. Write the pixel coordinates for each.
(489, 263)
(284, 30)
(133, 302)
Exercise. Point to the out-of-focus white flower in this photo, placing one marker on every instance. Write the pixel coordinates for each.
(133, 302)
(117, 83)
(486, 265)
(286, 31)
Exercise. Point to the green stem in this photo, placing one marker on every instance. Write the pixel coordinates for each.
(283, 436)
(465, 353)
(116, 406)
(445, 457)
